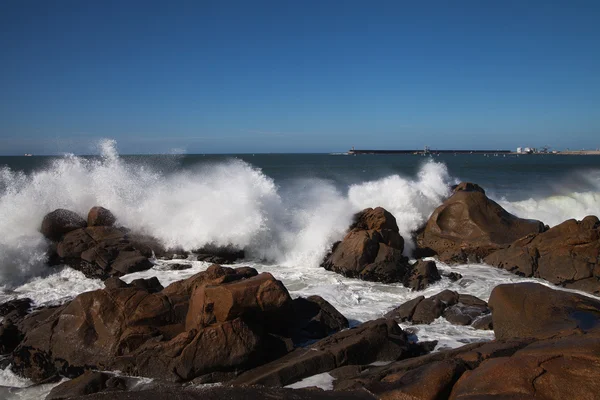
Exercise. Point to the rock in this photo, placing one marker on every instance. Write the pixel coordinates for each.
(179, 267)
(261, 299)
(102, 251)
(60, 222)
(100, 216)
(566, 255)
(88, 383)
(423, 274)
(405, 311)
(16, 307)
(564, 368)
(458, 309)
(483, 323)
(470, 226)
(531, 310)
(219, 254)
(453, 276)
(315, 318)
(372, 249)
(13, 313)
(379, 340)
(235, 318)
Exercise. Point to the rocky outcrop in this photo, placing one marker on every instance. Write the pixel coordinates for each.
(60, 222)
(379, 340)
(470, 226)
(458, 309)
(372, 250)
(100, 216)
(234, 318)
(531, 310)
(547, 346)
(567, 255)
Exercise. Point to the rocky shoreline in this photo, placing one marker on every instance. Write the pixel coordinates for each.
(242, 329)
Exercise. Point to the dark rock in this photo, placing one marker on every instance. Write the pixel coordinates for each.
(484, 323)
(60, 222)
(379, 340)
(15, 307)
(88, 383)
(467, 187)
(423, 274)
(405, 311)
(115, 283)
(453, 276)
(566, 255)
(100, 216)
(10, 337)
(531, 310)
(470, 226)
(151, 285)
(179, 267)
(315, 318)
(102, 251)
(219, 254)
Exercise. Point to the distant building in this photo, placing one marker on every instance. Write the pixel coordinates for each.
(519, 150)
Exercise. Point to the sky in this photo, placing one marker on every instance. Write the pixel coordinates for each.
(298, 76)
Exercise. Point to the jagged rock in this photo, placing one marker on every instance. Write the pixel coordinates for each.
(379, 340)
(531, 310)
(219, 254)
(567, 255)
(315, 318)
(423, 274)
(235, 318)
(470, 226)
(100, 216)
(458, 309)
(372, 250)
(60, 222)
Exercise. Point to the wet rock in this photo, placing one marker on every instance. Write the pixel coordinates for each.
(423, 274)
(458, 309)
(372, 249)
(88, 383)
(379, 340)
(151, 285)
(179, 267)
(531, 310)
(219, 254)
(315, 318)
(453, 276)
(60, 222)
(469, 226)
(100, 216)
(483, 323)
(566, 255)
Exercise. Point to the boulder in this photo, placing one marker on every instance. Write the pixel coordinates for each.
(566, 255)
(372, 250)
(103, 251)
(531, 310)
(423, 274)
(458, 309)
(100, 216)
(315, 318)
(60, 222)
(379, 340)
(470, 226)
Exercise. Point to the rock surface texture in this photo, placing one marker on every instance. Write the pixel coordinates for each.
(372, 250)
(567, 255)
(470, 226)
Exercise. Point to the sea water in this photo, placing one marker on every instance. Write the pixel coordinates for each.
(285, 210)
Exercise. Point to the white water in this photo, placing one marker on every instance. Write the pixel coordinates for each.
(287, 229)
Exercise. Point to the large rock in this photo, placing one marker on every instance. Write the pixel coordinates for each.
(531, 310)
(315, 318)
(469, 226)
(372, 250)
(567, 255)
(103, 251)
(379, 340)
(100, 216)
(234, 318)
(60, 222)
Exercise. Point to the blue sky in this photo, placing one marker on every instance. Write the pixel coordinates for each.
(298, 76)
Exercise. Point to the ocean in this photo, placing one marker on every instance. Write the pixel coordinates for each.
(285, 210)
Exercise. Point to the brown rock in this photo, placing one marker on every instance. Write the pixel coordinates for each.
(315, 318)
(531, 310)
(406, 310)
(470, 225)
(100, 216)
(379, 340)
(566, 255)
(60, 222)
(423, 274)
